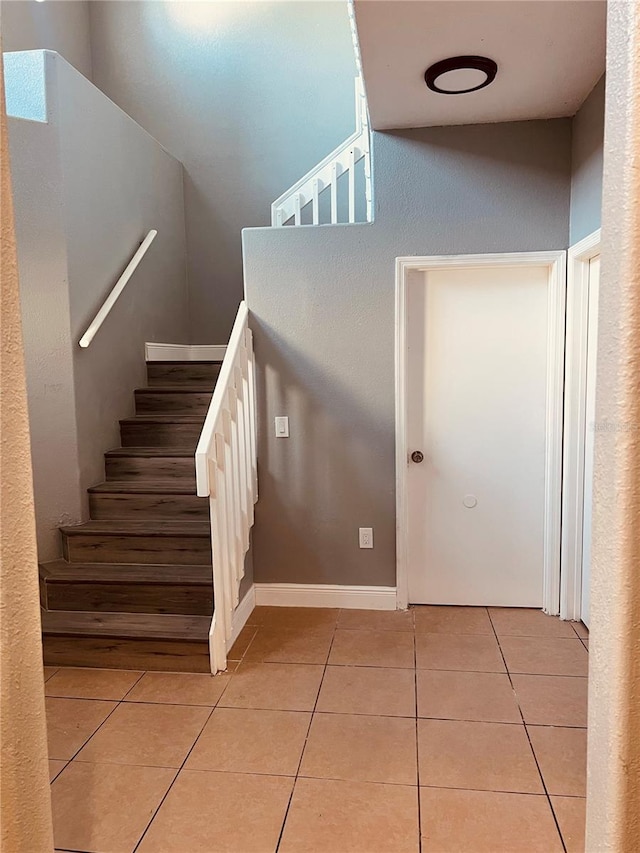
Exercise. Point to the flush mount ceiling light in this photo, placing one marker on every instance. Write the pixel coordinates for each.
(460, 74)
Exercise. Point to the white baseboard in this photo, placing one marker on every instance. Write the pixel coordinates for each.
(326, 595)
(242, 613)
(184, 352)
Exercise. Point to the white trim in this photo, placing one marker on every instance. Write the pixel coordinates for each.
(242, 613)
(556, 261)
(184, 352)
(326, 595)
(575, 395)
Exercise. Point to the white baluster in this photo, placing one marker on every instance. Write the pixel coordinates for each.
(352, 186)
(334, 193)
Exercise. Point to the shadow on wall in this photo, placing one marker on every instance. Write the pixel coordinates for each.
(303, 490)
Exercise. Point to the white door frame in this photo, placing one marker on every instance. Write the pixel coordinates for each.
(556, 262)
(579, 256)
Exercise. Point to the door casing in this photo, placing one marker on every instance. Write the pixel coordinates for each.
(556, 263)
(575, 424)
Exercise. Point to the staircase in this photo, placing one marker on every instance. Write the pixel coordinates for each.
(135, 586)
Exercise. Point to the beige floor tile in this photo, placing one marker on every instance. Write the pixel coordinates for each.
(71, 722)
(431, 619)
(585, 643)
(275, 645)
(525, 622)
(150, 735)
(545, 655)
(295, 617)
(55, 768)
(472, 653)
(179, 688)
(105, 807)
(242, 643)
(478, 756)
(480, 696)
(381, 691)
(376, 620)
(49, 671)
(80, 683)
(571, 812)
(242, 740)
(361, 748)
(273, 686)
(581, 629)
(456, 821)
(372, 648)
(562, 756)
(552, 700)
(327, 816)
(209, 812)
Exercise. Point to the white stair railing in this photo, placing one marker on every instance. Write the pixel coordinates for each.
(226, 473)
(288, 208)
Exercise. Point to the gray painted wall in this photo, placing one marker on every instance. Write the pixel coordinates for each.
(586, 165)
(322, 302)
(248, 95)
(60, 25)
(88, 186)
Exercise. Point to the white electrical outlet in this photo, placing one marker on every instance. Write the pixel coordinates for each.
(365, 535)
(282, 427)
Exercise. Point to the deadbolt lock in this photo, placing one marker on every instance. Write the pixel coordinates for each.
(417, 456)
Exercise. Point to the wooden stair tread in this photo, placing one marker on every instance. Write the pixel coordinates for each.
(150, 452)
(140, 528)
(182, 388)
(60, 571)
(143, 486)
(187, 362)
(153, 418)
(159, 626)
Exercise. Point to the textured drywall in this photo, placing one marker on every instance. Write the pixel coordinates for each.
(613, 774)
(322, 303)
(248, 95)
(587, 138)
(25, 810)
(60, 25)
(88, 187)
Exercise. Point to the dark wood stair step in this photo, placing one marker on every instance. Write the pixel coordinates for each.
(170, 399)
(126, 588)
(155, 463)
(161, 431)
(147, 499)
(200, 374)
(144, 541)
(126, 640)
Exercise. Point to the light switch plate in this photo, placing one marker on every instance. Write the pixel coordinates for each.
(282, 427)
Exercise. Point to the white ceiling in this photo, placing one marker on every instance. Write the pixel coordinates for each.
(550, 54)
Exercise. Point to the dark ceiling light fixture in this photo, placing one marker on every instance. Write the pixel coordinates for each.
(460, 74)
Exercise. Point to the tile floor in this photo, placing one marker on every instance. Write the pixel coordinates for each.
(442, 729)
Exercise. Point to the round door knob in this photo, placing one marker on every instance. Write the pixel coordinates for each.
(417, 456)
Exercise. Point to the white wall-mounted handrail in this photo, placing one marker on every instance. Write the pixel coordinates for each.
(119, 286)
(227, 473)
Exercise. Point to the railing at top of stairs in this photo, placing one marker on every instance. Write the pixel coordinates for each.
(288, 208)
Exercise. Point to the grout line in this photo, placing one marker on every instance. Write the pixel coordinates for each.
(178, 771)
(85, 742)
(415, 687)
(524, 726)
(306, 740)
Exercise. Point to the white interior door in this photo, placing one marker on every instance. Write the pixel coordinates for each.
(477, 409)
(592, 352)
